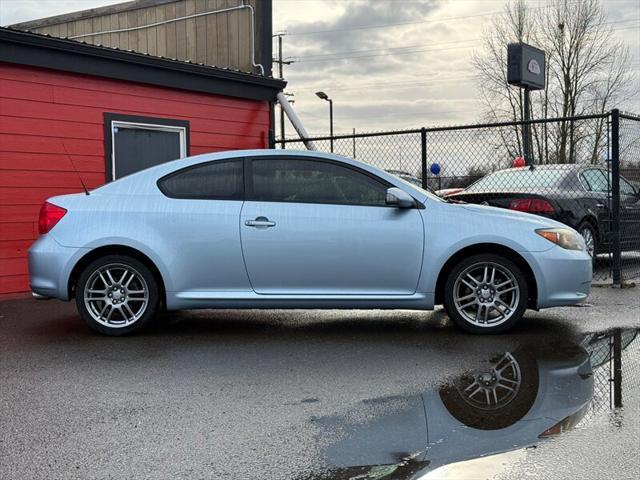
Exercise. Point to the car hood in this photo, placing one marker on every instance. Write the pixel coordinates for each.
(485, 211)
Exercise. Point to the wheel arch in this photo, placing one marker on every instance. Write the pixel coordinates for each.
(102, 251)
(494, 248)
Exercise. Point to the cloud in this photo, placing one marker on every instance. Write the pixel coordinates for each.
(413, 73)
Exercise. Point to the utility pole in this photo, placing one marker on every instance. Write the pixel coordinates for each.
(281, 62)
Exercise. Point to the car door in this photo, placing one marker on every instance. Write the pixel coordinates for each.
(629, 215)
(597, 185)
(320, 227)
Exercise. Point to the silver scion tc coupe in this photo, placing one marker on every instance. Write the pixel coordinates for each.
(287, 229)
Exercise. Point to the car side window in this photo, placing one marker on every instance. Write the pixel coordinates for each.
(314, 181)
(596, 181)
(626, 188)
(218, 180)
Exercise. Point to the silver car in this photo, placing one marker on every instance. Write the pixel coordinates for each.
(287, 229)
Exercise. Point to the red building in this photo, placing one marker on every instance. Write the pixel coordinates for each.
(71, 111)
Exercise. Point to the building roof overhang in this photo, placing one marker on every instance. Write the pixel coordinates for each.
(28, 48)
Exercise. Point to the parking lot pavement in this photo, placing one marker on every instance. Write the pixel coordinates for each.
(249, 394)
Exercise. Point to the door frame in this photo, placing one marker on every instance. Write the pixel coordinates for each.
(118, 120)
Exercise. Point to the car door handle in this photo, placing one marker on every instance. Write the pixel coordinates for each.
(260, 222)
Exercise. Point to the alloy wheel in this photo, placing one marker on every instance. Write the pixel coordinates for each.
(116, 295)
(589, 240)
(486, 294)
(492, 388)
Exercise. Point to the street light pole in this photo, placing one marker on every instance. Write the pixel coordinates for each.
(331, 123)
(324, 96)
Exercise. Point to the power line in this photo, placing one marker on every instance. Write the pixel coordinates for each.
(351, 57)
(389, 48)
(386, 25)
(408, 83)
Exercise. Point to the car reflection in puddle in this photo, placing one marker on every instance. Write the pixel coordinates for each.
(516, 400)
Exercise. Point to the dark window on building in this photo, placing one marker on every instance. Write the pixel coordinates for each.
(221, 180)
(313, 181)
(133, 143)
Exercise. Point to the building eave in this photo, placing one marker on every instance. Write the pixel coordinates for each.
(28, 48)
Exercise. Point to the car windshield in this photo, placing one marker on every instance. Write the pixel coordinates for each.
(519, 179)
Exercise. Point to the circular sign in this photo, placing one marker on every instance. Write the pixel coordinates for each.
(435, 168)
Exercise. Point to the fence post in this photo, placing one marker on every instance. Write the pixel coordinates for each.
(617, 368)
(615, 196)
(423, 142)
(354, 143)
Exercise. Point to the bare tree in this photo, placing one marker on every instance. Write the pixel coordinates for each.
(587, 73)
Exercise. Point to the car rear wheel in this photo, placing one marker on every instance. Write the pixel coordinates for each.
(486, 293)
(589, 234)
(117, 294)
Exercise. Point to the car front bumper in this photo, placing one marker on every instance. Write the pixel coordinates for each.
(50, 266)
(563, 276)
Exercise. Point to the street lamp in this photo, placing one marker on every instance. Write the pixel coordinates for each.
(324, 96)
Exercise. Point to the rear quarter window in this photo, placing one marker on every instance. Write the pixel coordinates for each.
(219, 180)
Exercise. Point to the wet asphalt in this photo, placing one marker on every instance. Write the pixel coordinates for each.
(237, 394)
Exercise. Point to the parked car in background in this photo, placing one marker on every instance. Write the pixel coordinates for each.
(287, 229)
(446, 192)
(406, 176)
(576, 195)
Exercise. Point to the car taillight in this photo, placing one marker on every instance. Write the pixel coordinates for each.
(50, 214)
(531, 205)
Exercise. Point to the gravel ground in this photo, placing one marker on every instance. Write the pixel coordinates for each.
(234, 394)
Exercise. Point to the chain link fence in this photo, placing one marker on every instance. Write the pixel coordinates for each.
(582, 171)
(629, 146)
(615, 360)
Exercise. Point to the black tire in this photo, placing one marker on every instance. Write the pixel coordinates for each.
(514, 314)
(584, 226)
(146, 313)
(500, 416)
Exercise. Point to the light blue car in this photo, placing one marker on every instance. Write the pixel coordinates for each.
(289, 229)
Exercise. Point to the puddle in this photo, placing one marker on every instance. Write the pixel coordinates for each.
(507, 406)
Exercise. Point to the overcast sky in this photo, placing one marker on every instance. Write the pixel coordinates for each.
(387, 64)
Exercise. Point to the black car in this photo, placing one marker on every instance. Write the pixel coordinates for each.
(576, 195)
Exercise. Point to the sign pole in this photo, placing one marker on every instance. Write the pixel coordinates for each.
(526, 128)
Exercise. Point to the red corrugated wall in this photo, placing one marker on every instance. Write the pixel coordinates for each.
(43, 111)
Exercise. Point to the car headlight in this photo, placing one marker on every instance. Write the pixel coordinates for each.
(563, 237)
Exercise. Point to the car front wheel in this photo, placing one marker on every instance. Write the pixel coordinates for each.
(486, 293)
(117, 294)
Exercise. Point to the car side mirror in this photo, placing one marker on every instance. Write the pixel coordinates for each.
(399, 198)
